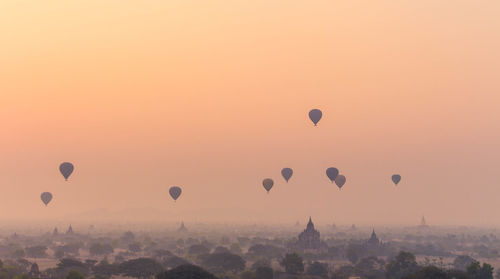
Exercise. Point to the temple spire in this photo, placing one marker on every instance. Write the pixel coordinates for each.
(310, 225)
(373, 241)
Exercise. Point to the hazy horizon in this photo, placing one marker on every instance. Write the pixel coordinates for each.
(214, 96)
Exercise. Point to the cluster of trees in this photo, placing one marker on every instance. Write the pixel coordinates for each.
(222, 264)
(405, 266)
(144, 256)
(137, 268)
(17, 270)
(219, 263)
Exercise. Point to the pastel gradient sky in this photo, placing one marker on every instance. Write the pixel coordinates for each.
(213, 96)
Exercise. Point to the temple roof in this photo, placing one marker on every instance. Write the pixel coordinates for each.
(310, 224)
(34, 267)
(182, 227)
(374, 239)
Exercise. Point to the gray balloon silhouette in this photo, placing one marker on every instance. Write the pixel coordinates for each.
(315, 116)
(287, 173)
(46, 197)
(396, 178)
(340, 181)
(268, 184)
(66, 169)
(332, 173)
(175, 192)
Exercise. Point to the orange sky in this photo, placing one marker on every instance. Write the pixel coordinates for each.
(213, 96)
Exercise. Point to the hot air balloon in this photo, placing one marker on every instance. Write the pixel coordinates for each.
(396, 178)
(315, 116)
(340, 181)
(66, 169)
(332, 173)
(46, 197)
(268, 184)
(175, 192)
(287, 173)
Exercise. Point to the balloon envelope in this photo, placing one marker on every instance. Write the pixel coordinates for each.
(66, 169)
(287, 173)
(46, 197)
(315, 116)
(396, 178)
(175, 192)
(332, 173)
(340, 180)
(268, 184)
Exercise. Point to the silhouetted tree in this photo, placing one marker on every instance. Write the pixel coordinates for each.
(262, 262)
(105, 269)
(198, 249)
(223, 262)
(462, 262)
(403, 264)
(476, 271)
(352, 255)
(318, 269)
(36, 251)
(174, 262)
(344, 272)
(264, 272)
(235, 249)
(59, 253)
(247, 275)
(292, 263)
(72, 248)
(18, 253)
(265, 251)
(186, 272)
(371, 268)
(458, 274)
(135, 247)
(24, 265)
(74, 274)
(66, 265)
(98, 249)
(140, 268)
(162, 254)
(221, 249)
(428, 272)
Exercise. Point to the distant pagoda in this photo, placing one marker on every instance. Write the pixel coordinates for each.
(309, 239)
(70, 230)
(373, 241)
(423, 223)
(182, 228)
(34, 271)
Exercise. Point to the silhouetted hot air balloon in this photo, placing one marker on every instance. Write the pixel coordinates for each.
(66, 169)
(340, 181)
(315, 116)
(287, 173)
(396, 178)
(268, 184)
(175, 192)
(332, 173)
(46, 197)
